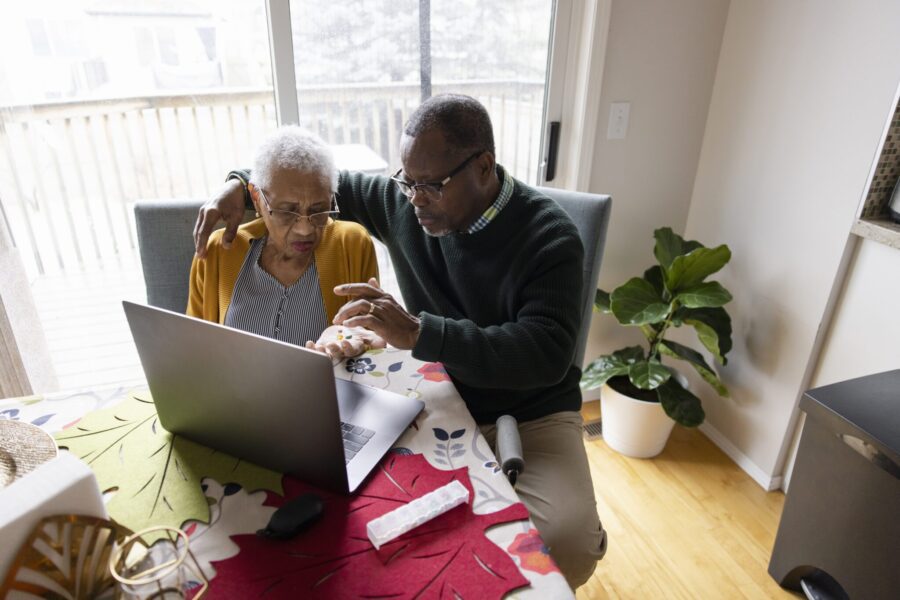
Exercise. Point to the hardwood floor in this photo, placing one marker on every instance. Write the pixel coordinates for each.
(686, 524)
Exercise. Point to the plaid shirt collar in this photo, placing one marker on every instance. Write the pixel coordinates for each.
(494, 209)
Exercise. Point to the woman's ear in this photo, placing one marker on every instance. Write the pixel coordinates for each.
(254, 196)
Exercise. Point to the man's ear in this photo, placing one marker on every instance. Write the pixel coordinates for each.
(486, 166)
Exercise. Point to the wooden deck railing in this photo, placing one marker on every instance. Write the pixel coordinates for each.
(71, 171)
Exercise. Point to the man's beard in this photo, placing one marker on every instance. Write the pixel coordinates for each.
(439, 227)
(437, 234)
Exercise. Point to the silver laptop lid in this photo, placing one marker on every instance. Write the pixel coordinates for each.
(255, 398)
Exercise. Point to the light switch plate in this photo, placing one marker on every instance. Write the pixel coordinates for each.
(618, 120)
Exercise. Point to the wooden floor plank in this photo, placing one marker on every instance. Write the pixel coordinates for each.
(686, 524)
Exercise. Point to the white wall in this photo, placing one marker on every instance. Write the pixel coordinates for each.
(661, 57)
(802, 91)
(864, 336)
(865, 329)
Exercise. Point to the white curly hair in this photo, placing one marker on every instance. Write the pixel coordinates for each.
(292, 147)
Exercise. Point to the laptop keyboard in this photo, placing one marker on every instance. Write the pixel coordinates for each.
(355, 438)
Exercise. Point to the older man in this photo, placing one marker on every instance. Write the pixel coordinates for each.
(491, 274)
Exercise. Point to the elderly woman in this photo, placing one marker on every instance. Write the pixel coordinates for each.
(278, 277)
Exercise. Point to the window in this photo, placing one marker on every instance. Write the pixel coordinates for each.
(361, 71)
(109, 107)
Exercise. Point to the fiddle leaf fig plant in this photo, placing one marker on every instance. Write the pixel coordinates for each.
(670, 294)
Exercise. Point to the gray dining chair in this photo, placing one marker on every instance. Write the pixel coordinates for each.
(590, 213)
(165, 233)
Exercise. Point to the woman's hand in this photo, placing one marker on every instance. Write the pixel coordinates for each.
(340, 342)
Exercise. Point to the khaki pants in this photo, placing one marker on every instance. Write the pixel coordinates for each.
(556, 488)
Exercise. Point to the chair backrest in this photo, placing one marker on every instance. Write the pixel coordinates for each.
(165, 232)
(165, 237)
(590, 212)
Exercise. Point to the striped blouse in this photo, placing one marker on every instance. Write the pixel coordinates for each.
(262, 305)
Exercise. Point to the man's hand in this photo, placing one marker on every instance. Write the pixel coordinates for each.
(345, 342)
(228, 206)
(376, 310)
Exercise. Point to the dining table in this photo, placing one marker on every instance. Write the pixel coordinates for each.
(487, 548)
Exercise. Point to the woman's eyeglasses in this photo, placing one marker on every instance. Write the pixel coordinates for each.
(286, 218)
(433, 190)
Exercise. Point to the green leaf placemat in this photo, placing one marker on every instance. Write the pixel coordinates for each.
(156, 475)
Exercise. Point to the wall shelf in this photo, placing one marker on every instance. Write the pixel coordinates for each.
(872, 220)
(878, 230)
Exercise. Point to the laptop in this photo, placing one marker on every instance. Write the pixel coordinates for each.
(265, 401)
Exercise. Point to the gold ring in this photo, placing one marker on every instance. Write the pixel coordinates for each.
(371, 308)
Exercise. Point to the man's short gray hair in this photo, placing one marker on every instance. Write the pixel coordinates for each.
(463, 120)
(291, 147)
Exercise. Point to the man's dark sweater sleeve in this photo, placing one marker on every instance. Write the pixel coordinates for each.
(242, 175)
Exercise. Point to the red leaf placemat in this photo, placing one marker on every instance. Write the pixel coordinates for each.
(335, 559)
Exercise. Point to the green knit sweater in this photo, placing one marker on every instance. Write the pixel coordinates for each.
(500, 308)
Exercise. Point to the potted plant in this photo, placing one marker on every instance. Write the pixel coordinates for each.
(642, 398)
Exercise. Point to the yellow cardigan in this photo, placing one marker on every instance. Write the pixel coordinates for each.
(344, 255)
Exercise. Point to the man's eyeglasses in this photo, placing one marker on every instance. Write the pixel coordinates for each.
(286, 218)
(431, 189)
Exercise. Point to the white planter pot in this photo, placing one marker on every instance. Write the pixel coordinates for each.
(635, 428)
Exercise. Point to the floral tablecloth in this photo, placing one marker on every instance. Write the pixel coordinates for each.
(444, 433)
